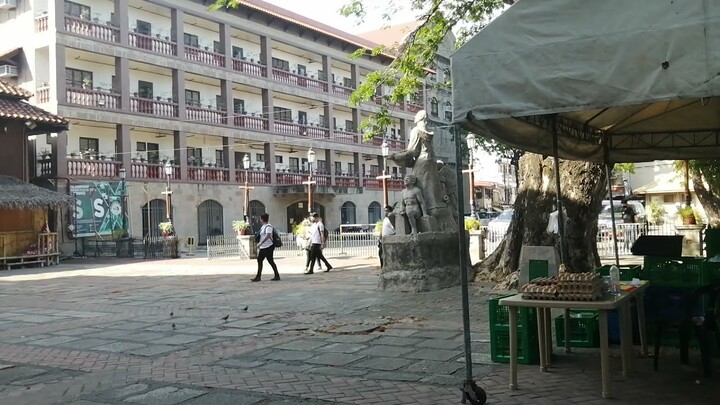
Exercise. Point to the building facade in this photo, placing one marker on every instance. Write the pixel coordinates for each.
(149, 83)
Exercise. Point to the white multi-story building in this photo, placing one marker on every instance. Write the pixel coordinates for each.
(495, 183)
(145, 83)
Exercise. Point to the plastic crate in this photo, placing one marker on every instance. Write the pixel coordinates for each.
(674, 272)
(584, 330)
(528, 351)
(627, 272)
(500, 315)
(711, 273)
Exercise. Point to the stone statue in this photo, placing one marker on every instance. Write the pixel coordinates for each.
(413, 203)
(448, 180)
(420, 156)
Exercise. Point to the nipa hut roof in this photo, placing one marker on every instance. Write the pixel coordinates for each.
(16, 194)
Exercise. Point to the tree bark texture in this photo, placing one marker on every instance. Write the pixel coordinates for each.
(709, 200)
(583, 187)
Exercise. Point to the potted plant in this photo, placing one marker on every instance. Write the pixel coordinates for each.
(45, 153)
(687, 215)
(241, 227)
(166, 228)
(86, 84)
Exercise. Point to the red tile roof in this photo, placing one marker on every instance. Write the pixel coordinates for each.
(14, 106)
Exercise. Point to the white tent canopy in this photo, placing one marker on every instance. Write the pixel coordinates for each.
(635, 79)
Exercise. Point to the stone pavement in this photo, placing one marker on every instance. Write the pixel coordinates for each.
(152, 332)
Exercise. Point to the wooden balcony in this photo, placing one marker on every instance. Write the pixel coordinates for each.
(344, 136)
(194, 113)
(305, 130)
(41, 23)
(204, 56)
(342, 91)
(91, 29)
(209, 174)
(291, 179)
(413, 108)
(152, 171)
(249, 68)
(153, 107)
(251, 122)
(153, 44)
(93, 168)
(92, 98)
(253, 176)
(347, 180)
(294, 79)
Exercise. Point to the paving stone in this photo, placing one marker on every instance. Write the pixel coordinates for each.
(433, 354)
(393, 376)
(436, 334)
(227, 397)
(398, 332)
(337, 372)
(85, 402)
(440, 344)
(127, 325)
(289, 355)
(341, 348)
(287, 368)
(152, 350)
(85, 343)
(127, 391)
(434, 367)
(397, 341)
(178, 339)
(385, 351)
(40, 318)
(440, 379)
(53, 341)
(6, 366)
(235, 332)
(165, 396)
(235, 363)
(77, 331)
(199, 330)
(351, 338)
(9, 375)
(118, 347)
(114, 334)
(303, 344)
(246, 323)
(382, 363)
(146, 336)
(334, 359)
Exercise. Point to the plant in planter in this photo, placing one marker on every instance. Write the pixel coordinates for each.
(241, 227)
(87, 84)
(687, 215)
(472, 224)
(166, 228)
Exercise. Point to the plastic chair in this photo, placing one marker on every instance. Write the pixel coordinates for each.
(686, 311)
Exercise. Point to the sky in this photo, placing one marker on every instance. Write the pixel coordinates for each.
(326, 12)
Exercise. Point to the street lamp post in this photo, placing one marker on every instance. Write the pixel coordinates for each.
(310, 182)
(123, 202)
(385, 153)
(168, 193)
(471, 144)
(246, 166)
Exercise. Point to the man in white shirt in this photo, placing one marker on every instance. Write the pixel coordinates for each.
(266, 248)
(317, 238)
(387, 229)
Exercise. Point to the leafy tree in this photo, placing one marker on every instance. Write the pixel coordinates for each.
(705, 176)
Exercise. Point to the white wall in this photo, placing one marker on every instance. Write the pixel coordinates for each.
(102, 73)
(159, 24)
(313, 115)
(310, 67)
(165, 144)
(162, 84)
(253, 102)
(208, 92)
(105, 136)
(205, 36)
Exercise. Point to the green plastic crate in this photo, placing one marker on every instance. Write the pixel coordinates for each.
(528, 351)
(711, 273)
(500, 315)
(627, 272)
(674, 272)
(584, 330)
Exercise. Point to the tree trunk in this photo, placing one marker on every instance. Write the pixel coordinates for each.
(709, 200)
(583, 188)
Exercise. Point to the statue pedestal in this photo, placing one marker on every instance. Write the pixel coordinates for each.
(427, 261)
(692, 239)
(248, 244)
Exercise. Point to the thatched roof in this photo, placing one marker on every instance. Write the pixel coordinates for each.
(16, 194)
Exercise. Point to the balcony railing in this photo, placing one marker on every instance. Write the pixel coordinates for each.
(153, 107)
(322, 179)
(194, 113)
(44, 167)
(93, 168)
(346, 136)
(250, 68)
(153, 44)
(91, 29)
(253, 176)
(342, 91)
(205, 57)
(346, 180)
(152, 171)
(413, 108)
(282, 76)
(41, 23)
(291, 178)
(291, 128)
(209, 174)
(42, 95)
(92, 98)
(251, 122)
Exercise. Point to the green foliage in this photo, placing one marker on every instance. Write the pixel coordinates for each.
(686, 212)
(656, 213)
(239, 225)
(624, 167)
(300, 229)
(378, 227)
(471, 224)
(166, 227)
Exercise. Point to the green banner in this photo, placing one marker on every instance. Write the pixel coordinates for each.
(98, 208)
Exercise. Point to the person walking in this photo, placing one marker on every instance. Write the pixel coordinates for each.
(387, 229)
(266, 248)
(317, 238)
(304, 242)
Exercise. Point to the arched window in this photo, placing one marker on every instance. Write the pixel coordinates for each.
(347, 213)
(374, 212)
(446, 73)
(434, 107)
(152, 214)
(448, 110)
(210, 220)
(255, 209)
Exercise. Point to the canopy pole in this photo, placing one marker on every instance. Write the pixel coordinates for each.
(558, 193)
(608, 172)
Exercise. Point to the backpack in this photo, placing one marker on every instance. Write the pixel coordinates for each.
(325, 233)
(277, 242)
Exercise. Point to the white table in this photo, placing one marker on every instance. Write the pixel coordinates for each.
(603, 306)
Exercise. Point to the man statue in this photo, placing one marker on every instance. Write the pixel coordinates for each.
(448, 180)
(413, 203)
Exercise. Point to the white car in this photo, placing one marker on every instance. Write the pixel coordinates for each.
(499, 226)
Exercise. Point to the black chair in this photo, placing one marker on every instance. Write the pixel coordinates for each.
(687, 310)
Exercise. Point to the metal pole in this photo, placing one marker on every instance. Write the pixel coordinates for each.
(247, 197)
(558, 192)
(470, 389)
(310, 201)
(612, 212)
(385, 189)
(124, 209)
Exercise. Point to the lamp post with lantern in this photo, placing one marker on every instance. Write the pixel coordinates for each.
(310, 182)
(385, 149)
(246, 188)
(471, 144)
(123, 202)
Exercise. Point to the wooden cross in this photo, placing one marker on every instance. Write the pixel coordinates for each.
(384, 178)
(309, 183)
(247, 197)
(168, 204)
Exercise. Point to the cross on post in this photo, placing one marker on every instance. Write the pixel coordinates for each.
(471, 174)
(384, 178)
(309, 183)
(247, 189)
(168, 202)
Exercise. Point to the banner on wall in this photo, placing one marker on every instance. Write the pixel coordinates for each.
(98, 208)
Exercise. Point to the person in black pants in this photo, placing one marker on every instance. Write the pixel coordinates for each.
(266, 248)
(317, 237)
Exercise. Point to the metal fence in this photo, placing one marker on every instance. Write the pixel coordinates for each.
(147, 248)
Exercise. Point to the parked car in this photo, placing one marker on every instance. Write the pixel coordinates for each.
(605, 218)
(498, 226)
